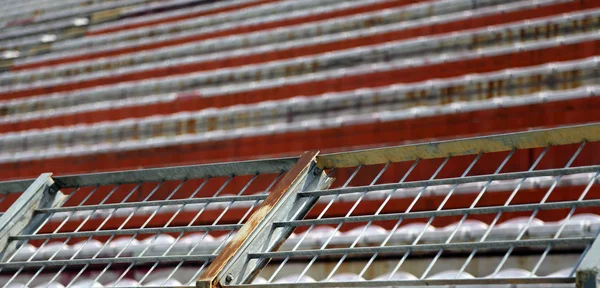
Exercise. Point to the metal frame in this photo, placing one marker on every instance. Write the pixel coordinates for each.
(34, 212)
(230, 266)
(20, 217)
(587, 272)
(305, 182)
(469, 146)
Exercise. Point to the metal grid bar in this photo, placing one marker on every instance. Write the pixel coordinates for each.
(177, 173)
(442, 213)
(431, 282)
(424, 247)
(222, 199)
(450, 181)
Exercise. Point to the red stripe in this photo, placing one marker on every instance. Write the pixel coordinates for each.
(406, 75)
(233, 31)
(296, 52)
(347, 137)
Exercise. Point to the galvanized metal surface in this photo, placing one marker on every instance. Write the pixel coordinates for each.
(587, 272)
(453, 181)
(425, 247)
(96, 192)
(245, 268)
(127, 260)
(222, 199)
(431, 282)
(140, 231)
(443, 213)
(170, 173)
(15, 185)
(469, 146)
(175, 173)
(20, 217)
(453, 240)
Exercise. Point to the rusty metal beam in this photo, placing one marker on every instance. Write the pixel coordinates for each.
(215, 272)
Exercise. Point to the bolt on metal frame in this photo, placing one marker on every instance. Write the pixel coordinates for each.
(72, 211)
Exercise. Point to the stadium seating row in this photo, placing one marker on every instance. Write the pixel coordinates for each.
(50, 10)
(61, 48)
(34, 38)
(307, 68)
(550, 77)
(266, 40)
(203, 10)
(328, 136)
(189, 129)
(254, 93)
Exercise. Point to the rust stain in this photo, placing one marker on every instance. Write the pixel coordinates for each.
(210, 275)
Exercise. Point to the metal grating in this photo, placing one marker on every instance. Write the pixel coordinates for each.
(101, 228)
(418, 188)
(493, 210)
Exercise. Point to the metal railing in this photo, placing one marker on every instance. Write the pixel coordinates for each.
(320, 219)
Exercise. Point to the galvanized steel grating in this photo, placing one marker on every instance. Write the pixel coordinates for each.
(491, 210)
(160, 226)
(505, 209)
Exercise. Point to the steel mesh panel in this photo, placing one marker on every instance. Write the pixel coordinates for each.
(158, 227)
(519, 209)
(491, 215)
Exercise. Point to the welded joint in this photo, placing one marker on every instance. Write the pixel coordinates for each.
(317, 171)
(53, 188)
(21, 217)
(587, 270)
(587, 279)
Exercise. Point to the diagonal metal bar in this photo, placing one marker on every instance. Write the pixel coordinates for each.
(258, 223)
(587, 271)
(20, 217)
